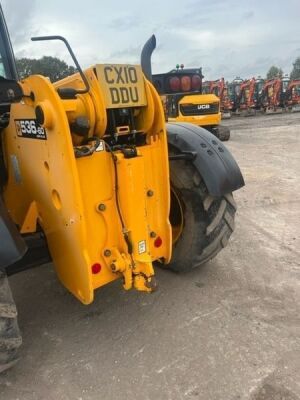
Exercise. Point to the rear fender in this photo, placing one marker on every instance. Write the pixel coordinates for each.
(210, 157)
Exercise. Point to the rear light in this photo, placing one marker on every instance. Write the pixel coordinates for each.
(158, 241)
(196, 82)
(174, 83)
(96, 268)
(186, 84)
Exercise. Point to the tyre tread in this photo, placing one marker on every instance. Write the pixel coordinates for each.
(210, 225)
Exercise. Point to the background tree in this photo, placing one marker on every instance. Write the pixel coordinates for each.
(274, 72)
(51, 67)
(295, 74)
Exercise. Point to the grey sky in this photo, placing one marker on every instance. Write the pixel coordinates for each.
(227, 38)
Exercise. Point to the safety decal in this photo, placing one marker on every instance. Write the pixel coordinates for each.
(142, 246)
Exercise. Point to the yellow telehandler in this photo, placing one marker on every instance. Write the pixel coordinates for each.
(93, 179)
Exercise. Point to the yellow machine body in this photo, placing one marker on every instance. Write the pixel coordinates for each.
(105, 215)
(204, 110)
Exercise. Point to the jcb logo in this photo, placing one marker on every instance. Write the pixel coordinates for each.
(203, 106)
(123, 85)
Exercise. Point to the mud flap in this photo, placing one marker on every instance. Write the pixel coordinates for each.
(211, 158)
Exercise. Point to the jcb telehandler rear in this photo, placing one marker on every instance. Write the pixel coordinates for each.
(93, 179)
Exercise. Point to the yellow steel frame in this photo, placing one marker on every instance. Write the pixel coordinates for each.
(74, 200)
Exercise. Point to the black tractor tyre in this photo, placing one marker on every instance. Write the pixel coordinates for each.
(206, 221)
(10, 336)
(223, 133)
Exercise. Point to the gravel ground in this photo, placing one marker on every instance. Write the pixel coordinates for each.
(228, 331)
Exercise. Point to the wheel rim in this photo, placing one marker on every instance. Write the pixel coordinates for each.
(176, 215)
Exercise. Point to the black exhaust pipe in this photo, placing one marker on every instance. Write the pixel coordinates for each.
(146, 54)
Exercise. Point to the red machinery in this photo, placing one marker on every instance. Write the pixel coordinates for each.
(292, 95)
(272, 100)
(206, 87)
(246, 101)
(219, 88)
(234, 88)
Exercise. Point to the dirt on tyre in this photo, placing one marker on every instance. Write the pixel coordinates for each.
(201, 224)
(10, 336)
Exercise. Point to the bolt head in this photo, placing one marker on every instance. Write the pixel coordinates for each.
(107, 253)
(101, 207)
(150, 193)
(113, 267)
